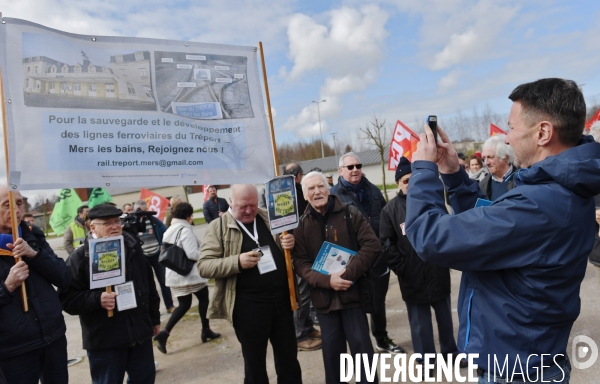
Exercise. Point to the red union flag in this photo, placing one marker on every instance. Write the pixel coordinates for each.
(591, 121)
(404, 143)
(205, 191)
(495, 130)
(155, 202)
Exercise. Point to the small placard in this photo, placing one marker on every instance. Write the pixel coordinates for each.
(266, 262)
(107, 261)
(125, 296)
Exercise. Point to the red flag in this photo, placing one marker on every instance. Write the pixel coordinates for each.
(205, 191)
(594, 118)
(155, 202)
(404, 143)
(495, 130)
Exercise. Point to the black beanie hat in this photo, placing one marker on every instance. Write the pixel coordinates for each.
(403, 168)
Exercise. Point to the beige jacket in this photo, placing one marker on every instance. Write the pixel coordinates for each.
(219, 260)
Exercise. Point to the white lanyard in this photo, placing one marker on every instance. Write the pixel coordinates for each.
(241, 225)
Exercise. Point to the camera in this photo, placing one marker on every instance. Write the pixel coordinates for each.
(134, 222)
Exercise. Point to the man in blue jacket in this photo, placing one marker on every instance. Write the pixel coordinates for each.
(215, 206)
(522, 272)
(33, 346)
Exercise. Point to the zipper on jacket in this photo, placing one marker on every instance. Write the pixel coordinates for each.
(468, 332)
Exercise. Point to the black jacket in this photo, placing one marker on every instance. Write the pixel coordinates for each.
(375, 197)
(20, 331)
(211, 209)
(486, 184)
(420, 282)
(124, 328)
(302, 203)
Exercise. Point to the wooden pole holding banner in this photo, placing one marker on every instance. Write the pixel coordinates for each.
(110, 311)
(11, 194)
(286, 252)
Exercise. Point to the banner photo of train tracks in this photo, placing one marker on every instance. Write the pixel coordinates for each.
(124, 111)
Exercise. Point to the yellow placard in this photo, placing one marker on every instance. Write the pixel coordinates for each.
(108, 261)
(284, 203)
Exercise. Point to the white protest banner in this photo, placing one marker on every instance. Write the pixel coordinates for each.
(89, 111)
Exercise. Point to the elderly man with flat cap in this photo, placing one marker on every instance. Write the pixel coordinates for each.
(122, 343)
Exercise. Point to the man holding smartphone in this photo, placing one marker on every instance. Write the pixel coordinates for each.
(522, 273)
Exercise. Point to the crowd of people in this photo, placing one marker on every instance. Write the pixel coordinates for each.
(521, 273)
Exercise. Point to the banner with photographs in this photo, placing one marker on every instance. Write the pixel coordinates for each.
(97, 111)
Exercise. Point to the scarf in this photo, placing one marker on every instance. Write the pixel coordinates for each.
(361, 193)
(479, 175)
(6, 238)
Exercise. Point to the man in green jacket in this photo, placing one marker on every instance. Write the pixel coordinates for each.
(76, 231)
(251, 288)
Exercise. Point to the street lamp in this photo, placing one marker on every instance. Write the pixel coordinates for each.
(334, 146)
(320, 130)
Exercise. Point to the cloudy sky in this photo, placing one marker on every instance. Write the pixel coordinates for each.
(399, 59)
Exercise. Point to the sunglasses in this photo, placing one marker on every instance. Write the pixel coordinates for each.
(405, 181)
(351, 167)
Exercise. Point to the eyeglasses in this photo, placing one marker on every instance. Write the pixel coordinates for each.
(110, 223)
(351, 167)
(405, 181)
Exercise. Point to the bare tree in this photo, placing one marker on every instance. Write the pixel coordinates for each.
(45, 202)
(376, 132)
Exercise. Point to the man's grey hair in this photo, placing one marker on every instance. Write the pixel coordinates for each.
(349, 154)
(313, 174)
(595, 131)
(500, 148)
(139, 204)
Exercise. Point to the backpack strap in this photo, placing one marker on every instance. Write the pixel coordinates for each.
(350, 227)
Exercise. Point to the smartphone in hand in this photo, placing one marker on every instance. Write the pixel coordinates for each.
(432, 122)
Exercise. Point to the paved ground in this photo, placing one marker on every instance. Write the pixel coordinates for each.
(220, 361)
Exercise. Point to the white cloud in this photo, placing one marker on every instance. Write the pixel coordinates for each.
(449, 81)
(456, 32)
(348, 49)
(459, 47)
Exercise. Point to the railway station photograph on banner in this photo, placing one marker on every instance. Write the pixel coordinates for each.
(59, 73)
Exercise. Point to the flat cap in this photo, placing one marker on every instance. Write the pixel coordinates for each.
(104, 210)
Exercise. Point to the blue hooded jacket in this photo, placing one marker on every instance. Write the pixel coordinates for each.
(523, 257)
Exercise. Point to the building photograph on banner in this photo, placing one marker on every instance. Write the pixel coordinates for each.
(282, 204)
(96, 110)
(107, 262)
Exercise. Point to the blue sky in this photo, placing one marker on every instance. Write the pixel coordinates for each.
(398, 59)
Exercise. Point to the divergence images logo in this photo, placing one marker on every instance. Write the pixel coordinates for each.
(584, 348)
